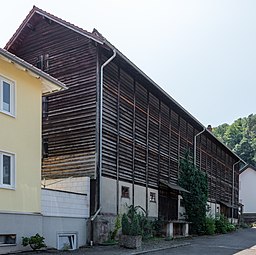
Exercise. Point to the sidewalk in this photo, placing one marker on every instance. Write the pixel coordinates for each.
(147, 246)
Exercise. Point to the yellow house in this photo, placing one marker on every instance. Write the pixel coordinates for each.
(21, 89)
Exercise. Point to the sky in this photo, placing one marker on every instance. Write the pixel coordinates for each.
(201, 52)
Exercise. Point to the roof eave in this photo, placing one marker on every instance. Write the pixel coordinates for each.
(53, 18)
(47, 80)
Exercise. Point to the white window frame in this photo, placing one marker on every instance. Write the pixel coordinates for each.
(12, 96)
(5, 236)
(73, 239)
(13, 167)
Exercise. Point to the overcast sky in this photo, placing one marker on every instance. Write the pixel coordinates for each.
(202, 52)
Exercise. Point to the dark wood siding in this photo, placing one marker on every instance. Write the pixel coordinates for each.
(145, 136)
(70, 125)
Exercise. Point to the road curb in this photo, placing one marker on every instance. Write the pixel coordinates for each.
(162, 248)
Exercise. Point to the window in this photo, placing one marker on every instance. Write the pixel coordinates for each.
(152, 197)
(8, 239)
(7, 96)
(7, 169)
(125, 192)
(67, 241)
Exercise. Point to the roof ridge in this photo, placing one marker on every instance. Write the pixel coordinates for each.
(93, 35)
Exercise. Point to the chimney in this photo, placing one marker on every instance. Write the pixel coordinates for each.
(209, 128)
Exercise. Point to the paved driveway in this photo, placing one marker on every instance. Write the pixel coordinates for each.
(241, 242)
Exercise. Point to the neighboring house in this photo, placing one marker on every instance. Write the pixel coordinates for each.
(21, 210)
(115, 125)
(246, 192)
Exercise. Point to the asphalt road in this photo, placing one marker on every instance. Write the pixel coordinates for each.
(241, 242)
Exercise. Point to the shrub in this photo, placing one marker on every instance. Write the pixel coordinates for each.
(230, 227)
(36, 242)
(116, 229)
(221, 223)
(210, 227)
(146, 226)
(125, 225)
(130, 222)
(157, 227)
(135, 229)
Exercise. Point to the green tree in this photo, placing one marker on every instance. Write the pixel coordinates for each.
(220, 131)
(194, 181)
(240, 137)
(234, 133)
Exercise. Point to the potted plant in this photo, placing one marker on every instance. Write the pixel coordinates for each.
(131, 230)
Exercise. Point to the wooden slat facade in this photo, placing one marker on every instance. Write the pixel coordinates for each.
(152, 136)
(70, 125)
(145, 133)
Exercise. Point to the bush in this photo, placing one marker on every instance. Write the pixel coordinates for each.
(125, 224)
(130, 222)
(230, 227)
(146, 226)
(221, 223)
(36, 242)
(210, 227)
(157, 227)
(116, 229)
(136, 223)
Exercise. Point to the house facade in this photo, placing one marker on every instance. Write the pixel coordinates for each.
(246, 192)
(118, 127)
(21, 88)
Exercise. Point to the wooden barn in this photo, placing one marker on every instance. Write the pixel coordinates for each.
(118, 126)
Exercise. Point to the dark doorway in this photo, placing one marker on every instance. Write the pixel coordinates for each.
(168, 204)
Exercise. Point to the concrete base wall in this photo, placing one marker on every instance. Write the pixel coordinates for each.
(113, 202)
(53, 226)
(47, 226)
(21, 225)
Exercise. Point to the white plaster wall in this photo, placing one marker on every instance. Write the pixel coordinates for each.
(214, 209)
(20, 224)
(47, 226)
(109, 199)
(59, 203)
(153, 206)
(140, 196)
(52, 226)
(181, 209)
(247, 190)
(124, 202)
(211, 209)
(77, 184)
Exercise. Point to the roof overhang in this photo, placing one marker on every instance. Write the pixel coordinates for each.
(228, 204)
(247, 167)
(48, 83)
(36, 10)
(173, 186)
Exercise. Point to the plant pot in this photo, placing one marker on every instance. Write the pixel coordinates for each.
(131, 242)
